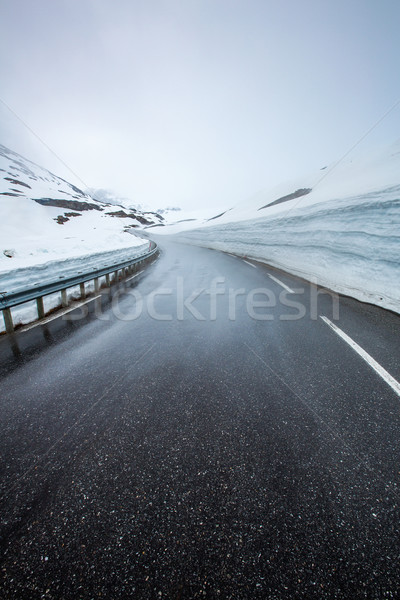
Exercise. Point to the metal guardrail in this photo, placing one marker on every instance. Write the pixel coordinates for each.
(7, 301)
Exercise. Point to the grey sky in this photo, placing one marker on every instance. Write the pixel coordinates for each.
(196, 102)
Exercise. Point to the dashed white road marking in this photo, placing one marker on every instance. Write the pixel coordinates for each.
(394, 384)
(249, 263)
(285, 287)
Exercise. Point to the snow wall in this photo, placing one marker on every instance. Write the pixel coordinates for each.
(350, 245)
(48, 272)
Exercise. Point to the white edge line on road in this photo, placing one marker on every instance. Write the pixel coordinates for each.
(133, 276)
(285, 287)
(395, 385)
(249, 263)
(56, 315)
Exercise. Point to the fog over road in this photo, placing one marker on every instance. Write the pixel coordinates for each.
(193, 437)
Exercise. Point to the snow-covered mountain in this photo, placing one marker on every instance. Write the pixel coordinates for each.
(144, 215)
(43, 216)
(339, 227)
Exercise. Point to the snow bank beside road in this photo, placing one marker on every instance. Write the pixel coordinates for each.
(48, 272)
(62, 266)
(343, 233)
(41, 251)
(351, 246)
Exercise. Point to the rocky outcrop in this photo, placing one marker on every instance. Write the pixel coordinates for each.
(70, 204)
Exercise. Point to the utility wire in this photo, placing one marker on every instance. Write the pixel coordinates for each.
(337, 163)
(395, 105)
(43, 142)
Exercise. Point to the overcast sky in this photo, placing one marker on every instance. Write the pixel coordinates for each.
(196, 102)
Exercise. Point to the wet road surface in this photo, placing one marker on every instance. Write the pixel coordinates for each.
(191, 438)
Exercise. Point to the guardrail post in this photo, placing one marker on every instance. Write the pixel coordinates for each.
(40, 307)
(64, 298)
(112, 276)
(8, 322)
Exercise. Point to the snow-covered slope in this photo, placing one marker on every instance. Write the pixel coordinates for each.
(339, 227)
(50, 229)
(43, 217)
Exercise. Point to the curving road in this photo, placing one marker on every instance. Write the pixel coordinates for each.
(192, 437)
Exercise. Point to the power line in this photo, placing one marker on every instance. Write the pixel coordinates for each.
(337, 163)
(358, 142)
(43, 142)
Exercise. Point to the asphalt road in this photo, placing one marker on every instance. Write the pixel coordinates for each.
(177, 443)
